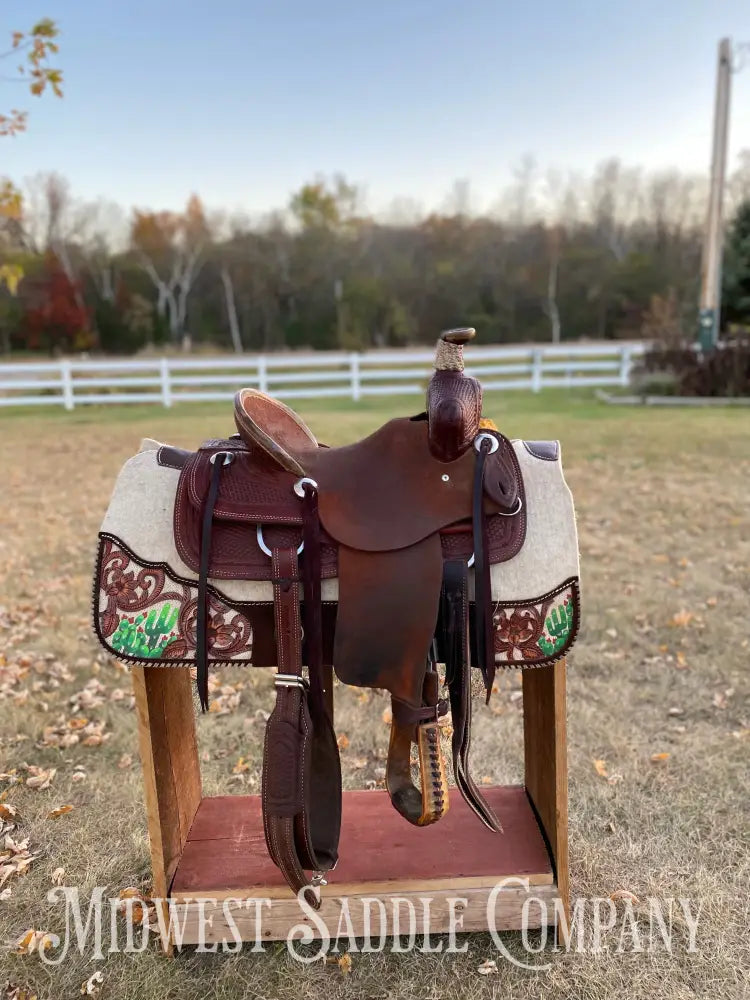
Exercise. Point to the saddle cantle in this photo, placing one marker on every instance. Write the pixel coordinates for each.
(434, 540)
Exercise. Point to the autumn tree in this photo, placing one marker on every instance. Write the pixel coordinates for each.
(34, 49)
(54, 318)
(170, 248)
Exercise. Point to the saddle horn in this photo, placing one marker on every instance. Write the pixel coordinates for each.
(454, 399)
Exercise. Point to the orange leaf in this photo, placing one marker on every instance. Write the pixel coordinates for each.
(659, 758)
(624, 894)
(131, 892)
(343, 741)
(61, 811)
(601, 768)
(682, 619)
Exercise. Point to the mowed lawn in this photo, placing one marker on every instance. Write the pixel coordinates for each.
(658, 706)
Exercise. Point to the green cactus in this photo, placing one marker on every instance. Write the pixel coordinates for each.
(557, 625)
(158, 627)
(146, 636)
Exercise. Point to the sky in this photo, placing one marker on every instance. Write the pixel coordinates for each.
(243, 101)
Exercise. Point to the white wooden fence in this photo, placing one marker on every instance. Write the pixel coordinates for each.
(289, 376)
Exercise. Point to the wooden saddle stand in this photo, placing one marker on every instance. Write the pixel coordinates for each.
(434, 545)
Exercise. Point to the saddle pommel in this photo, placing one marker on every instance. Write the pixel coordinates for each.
(454, 399)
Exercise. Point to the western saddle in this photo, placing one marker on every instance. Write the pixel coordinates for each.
(378, 560)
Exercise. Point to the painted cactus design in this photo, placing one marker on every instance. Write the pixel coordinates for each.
(557, 627)
(147, 635)
(536, 631)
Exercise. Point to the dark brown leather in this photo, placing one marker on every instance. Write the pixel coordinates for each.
(454, 405)
(172, 458)
(388, 606)
(454, 622)
(549, 451)
(386, 491)
(301, 787)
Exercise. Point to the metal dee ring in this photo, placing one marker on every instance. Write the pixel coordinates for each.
(299, 486)
(484, 436)
(226, 456)
(512, 513)
(265, 548)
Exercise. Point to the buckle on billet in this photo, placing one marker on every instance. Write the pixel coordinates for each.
(290, 680)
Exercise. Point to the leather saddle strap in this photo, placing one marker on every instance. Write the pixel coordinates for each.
(201, 651)
(301, 791)
(482, 581)
(455, 618)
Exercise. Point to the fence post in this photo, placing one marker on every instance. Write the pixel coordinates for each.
(66, 381)
(166, 387)
(626, 364)
(355, 377)
(262, 373)
(536, 369)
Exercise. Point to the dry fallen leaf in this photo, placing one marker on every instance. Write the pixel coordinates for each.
(15, 992)
(241, 766)
(92, 985)
(40, 778)
(624, 894)
(682, 618)
(488, 967)
(343, 741)
(345, 964)
(601, 768)
(8, 812)
(58, 876)
(125, 762)
(659, 758)
(33, 941)
(8, 819)
(387, 716)
(60, 811)
(711, 602)
(681, 661)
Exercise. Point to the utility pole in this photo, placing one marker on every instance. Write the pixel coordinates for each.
(710, 300)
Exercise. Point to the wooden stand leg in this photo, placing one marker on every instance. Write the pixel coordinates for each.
(171, 771)
(545, 754)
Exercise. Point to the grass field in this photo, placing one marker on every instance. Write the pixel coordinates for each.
(658, 692)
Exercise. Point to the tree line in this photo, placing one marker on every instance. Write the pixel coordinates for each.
(611, 255)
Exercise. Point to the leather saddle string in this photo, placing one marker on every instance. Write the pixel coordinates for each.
(201, 651)
(482, 581)
(455, 619)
